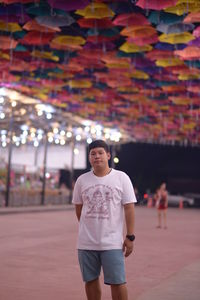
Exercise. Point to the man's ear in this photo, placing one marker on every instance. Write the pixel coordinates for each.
(109, 155)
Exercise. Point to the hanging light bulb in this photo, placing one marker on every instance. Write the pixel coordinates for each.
(89, 140)
(50, 139)
(69, 134)
(36, 143)
(78, 137)
(49, 116)
(14, 103)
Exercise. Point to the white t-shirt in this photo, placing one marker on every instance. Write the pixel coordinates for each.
(102, 216)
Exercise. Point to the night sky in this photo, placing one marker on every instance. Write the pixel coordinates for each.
(148, 165)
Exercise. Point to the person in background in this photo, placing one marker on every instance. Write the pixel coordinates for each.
(102, 197)
(162, 205)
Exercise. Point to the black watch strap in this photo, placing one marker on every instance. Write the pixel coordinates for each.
(130, 237)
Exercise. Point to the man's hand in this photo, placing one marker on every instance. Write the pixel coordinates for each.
(127, 247)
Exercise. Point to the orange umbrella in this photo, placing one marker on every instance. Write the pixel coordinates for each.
(193, 17)
(173, 89)
(32, 25)
(7, 43)
(188, 53)
(138, 31)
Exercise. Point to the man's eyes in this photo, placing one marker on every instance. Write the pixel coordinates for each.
(94, 153)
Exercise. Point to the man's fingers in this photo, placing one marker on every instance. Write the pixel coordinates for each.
(128, 251)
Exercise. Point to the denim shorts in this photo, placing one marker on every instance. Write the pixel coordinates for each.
(111, 261)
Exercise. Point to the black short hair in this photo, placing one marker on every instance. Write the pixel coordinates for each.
(99, 144)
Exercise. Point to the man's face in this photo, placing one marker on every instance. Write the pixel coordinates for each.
(98, 157)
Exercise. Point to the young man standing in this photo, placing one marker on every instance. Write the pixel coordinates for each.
(102, 197)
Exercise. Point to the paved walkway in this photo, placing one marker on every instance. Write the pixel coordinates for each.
(38, 260)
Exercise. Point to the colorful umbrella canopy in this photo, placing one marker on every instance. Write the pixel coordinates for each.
(130, 65)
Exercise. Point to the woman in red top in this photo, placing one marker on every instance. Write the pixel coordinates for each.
(162, 205)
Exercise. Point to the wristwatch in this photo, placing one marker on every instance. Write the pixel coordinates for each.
(130, 237)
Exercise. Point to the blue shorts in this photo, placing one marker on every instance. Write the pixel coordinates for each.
(111, 261)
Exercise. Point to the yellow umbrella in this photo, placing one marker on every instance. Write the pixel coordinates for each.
(133, 48)
(189, 76)
(128, 89)
(4, 55)
(182, 8)
(176, 38)
(119, 65)
(189, 126)
(139, 75)
(10, 27)
(45, 55)
(67, 41)
(96, 10)
(80, 83)
(169, 62)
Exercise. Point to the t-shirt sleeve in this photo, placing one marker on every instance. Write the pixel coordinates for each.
(76, 199)
(128, 190)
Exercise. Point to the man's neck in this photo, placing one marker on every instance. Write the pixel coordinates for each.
(101, 172)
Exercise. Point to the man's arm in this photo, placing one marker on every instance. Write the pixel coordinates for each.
(78, 208)
(130, 222)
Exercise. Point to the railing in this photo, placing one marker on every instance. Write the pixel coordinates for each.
(32, 197)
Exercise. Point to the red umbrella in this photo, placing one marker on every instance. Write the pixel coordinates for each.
(33, 38)
(95, 23)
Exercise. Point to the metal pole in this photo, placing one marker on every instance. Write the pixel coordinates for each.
(44, 171)
(36, 157)
(71, 172)
(9, 163)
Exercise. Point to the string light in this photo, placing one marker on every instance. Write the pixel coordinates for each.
(2, 115)
(116, 160)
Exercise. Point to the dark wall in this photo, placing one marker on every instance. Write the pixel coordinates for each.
(148, 165)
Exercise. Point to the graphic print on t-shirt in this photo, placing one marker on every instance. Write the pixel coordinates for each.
(97, 200)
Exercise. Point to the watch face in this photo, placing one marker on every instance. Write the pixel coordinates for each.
(131, 237)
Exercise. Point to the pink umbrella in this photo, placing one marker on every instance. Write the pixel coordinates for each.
(156, 4)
